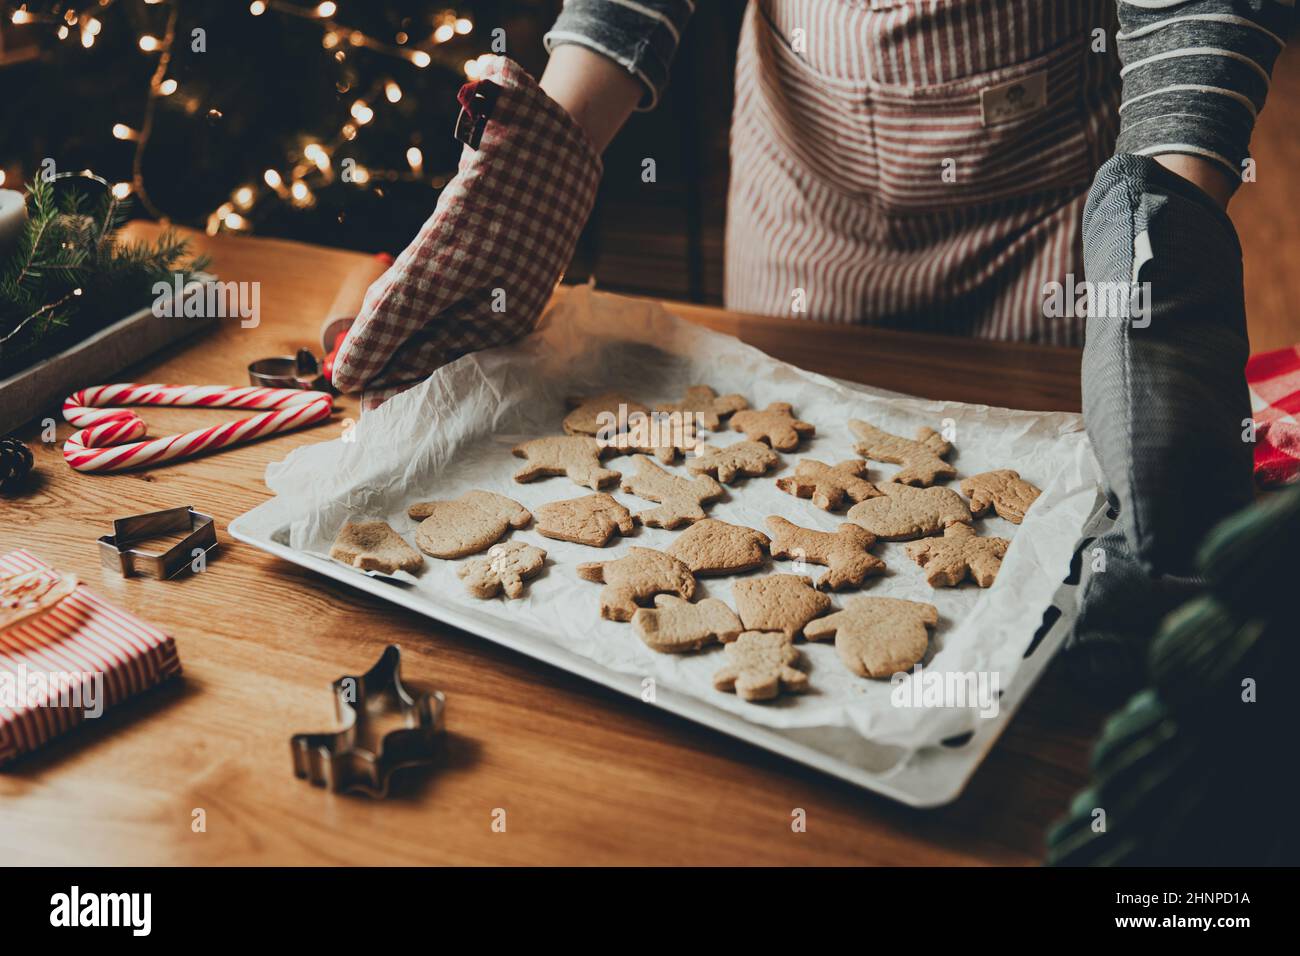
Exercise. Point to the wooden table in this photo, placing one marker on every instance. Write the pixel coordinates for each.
(585, 775)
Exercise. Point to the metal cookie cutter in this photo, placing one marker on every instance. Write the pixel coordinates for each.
(354, 759)
(289, 371)
(116, 552)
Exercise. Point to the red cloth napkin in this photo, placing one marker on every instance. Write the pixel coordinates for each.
(1274, 379)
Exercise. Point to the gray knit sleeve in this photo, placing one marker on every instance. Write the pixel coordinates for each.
(639, 35)
(1196, 74)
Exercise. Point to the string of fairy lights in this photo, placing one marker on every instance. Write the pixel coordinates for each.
(307, 168)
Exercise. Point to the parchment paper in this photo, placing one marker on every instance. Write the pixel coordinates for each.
(455, 432)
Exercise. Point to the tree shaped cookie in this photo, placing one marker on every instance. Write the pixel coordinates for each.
(635, 578)
(829, 485)
(760, 666)
(878, 636)
(681, 500)
(716, 547)
(374, 546)
(1004, 491)
(778, 602)
(577, 456)
(505, 567)
(663, 436)
(674, 625)
(903, 512)
(922, 459)
(590, 520)
(705, 406)
(843, 552)
(958, 554)
(607, 414)
(775, 425)
(465, 525)
(750, 458)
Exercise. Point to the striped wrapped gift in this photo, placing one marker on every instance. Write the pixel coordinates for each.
(82, 655)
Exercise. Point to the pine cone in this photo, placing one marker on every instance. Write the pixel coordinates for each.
(15, 464)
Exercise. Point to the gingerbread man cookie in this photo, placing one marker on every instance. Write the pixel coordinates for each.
(1004, 491)
(374, 546)
(577, 456)
(591, 520)
(750, 458)
(674, 625)
(606, 414)
(705, 406)
(716, 547)
(878, 636)
(844, 552)
(959, 554)
(681, 500)
(903, 512)
(829, 485)
(775, 425)
(778, 602)
(505, 567)
(760, 666)
(465, 525)
(635, 578)
(922, 459)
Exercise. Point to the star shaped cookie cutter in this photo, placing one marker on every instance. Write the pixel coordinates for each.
(355, 759)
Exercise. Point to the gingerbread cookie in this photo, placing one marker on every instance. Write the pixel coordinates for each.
(665, 438)
(465, 525)
(680, 500)
(844, 552)
(505, 567)
(674, 625)
(761, 665)
(903, 512)
(878, 636)
(577, 456)
(590, 520)
(703, 405)
(775, 425)
(958, 554)
(778, 602)
(829, 485)
(716, 547)
(374, 546)
(635, 578)
(922, 459)
(1003, 490)
(750, 458)
(605, 414)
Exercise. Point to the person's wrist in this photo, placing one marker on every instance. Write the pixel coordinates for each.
(595, 91)
(1209, 177)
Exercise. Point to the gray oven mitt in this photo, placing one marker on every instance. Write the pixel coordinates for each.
(1164, 403)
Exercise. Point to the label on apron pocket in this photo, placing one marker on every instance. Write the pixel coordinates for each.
(1011, 101)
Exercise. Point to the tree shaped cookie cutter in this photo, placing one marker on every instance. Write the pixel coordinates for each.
(351, 759)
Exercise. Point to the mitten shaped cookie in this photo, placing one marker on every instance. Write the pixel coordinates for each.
(877, 636)
(635, 578)
(844, 552)
(775, 425)
(674, 625)
(505, 567)
(779, 602)
(705, 406)
(681, 500)
(903, 512)
(751, 458)
(1003, 490)
(576, 456)
(374, 546)
(607, 414)
(959, 554)
(829, 485)
(465, 525)
(591, 520)
(716, 547)
(922, 459)
(760, 666)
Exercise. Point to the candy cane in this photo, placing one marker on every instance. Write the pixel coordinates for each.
(98, 446)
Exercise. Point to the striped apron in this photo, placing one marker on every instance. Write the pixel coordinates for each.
(918, 164)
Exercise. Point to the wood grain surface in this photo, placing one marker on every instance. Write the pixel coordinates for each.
(584, 776)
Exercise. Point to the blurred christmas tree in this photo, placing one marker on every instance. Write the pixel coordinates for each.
(330, 122)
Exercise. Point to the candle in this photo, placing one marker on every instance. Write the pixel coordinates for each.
(13, 217)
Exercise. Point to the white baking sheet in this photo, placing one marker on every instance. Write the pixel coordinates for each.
(454, 433)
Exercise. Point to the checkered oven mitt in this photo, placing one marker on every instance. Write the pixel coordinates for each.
(483, 266)
(1274, 380)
